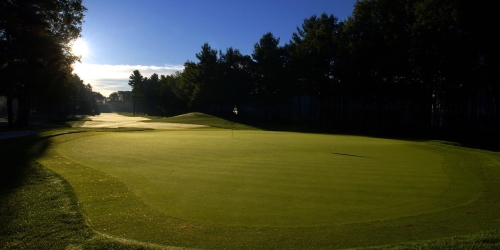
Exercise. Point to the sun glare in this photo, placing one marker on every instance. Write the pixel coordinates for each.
(80, 47)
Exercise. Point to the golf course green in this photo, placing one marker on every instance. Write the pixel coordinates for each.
(210, 188)
(263, 178)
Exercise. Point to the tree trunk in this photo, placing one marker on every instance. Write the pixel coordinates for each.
(10, 112)
(134, 105)
(23, 110)
(300, 108)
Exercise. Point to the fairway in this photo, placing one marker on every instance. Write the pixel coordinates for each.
(277, 179)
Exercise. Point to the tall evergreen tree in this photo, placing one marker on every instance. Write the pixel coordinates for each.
(136, 81)
(151, 94)
(235, 78)
(268, 70)
(208, 87)
(314, 50)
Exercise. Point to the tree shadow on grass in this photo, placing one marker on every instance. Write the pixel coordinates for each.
(351, 155)
(38, 208)
(16, 164)
(17, 155)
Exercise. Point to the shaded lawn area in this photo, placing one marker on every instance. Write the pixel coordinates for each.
(38, 208)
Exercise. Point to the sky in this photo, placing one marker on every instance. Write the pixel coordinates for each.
(159, 36)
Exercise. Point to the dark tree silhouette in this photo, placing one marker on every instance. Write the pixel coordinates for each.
(269, 73)
(236, 81)
(136, 81)
(35, 39)
(314, 52)
(417, 67)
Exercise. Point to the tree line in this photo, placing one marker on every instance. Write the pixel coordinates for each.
(36, 59)
(418, 65)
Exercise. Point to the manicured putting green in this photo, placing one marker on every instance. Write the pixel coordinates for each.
(276, 179)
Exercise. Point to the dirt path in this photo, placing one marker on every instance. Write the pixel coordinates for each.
(112, 120)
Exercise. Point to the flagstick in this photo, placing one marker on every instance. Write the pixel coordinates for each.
(235, 111)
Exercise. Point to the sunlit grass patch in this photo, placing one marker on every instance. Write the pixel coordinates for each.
(126, 196)
(199, 119)
(275, 179)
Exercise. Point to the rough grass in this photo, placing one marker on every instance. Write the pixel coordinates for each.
(116, 206)
(43, 213)
(487, 240)
(38, 209)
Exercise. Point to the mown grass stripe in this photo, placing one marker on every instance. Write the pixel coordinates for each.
(450, 221)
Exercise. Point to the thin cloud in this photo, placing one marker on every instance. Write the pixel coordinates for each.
(111, 78)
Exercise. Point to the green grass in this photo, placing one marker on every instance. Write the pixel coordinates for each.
(44, 214)
(260, 189)
(38, 208)
(303, 179)
(482, 240)
(199, 119)
(165, 189)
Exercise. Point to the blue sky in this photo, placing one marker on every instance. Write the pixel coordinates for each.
(159, 36)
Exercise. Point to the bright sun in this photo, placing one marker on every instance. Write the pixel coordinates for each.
(80, 47)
